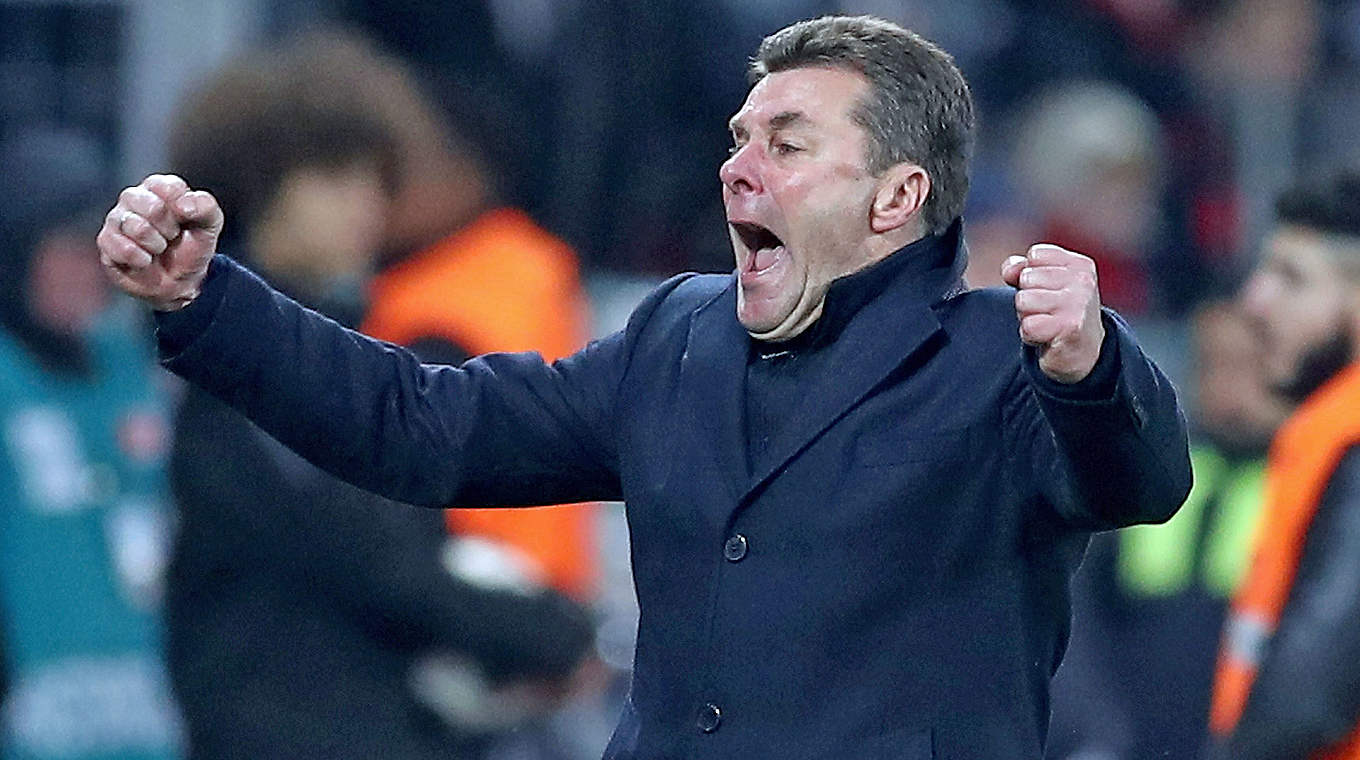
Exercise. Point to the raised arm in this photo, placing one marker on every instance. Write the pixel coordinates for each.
(1099, 422)
(500, 430)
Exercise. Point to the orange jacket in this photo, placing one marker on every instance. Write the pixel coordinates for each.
(1302, 459)
(499, 284)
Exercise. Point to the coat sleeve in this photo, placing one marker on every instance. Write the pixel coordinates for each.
(1307, 692)
(1109, 451)
(499, 430)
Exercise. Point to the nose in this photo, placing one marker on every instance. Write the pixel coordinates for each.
(739, 173)
(1256, 295)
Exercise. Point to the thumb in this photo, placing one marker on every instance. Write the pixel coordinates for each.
(199, 209)
(1011, 269)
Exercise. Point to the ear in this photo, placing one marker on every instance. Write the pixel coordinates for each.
(901, 194)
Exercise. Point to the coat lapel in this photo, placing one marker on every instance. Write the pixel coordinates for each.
(883, 334)
(713, 383)
(880, 338)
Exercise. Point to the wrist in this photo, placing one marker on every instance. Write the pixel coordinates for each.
(177, 303)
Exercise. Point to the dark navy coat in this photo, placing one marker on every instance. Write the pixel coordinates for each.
(891, 582)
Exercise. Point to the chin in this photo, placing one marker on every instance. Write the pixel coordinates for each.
(757, 324)
(1317, 363)
(760, 315)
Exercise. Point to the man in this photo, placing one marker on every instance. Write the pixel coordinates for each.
(854, 507)
(83, 439)
(1288, 682)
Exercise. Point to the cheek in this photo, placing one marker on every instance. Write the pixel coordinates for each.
(1304, 322)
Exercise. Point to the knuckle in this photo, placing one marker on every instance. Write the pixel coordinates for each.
(115, 254)
(132, 252)
(166, 182)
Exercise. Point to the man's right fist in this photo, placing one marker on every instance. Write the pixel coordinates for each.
(157, 241)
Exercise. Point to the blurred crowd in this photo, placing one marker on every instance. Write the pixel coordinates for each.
(474, 176)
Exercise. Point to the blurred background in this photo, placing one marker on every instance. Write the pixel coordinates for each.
(571, 147)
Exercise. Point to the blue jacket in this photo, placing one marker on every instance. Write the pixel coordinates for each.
(891, 581)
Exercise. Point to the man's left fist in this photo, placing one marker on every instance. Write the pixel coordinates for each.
(1058, 304)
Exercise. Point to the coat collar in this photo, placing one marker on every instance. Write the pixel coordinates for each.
(866, 341)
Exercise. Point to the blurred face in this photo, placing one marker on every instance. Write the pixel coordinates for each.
(66, 288)
(1235, 404)
(324, 225)
(798, 195)
(1300, 307)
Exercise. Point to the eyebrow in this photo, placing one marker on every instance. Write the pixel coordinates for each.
(780, 120)
(787, 118)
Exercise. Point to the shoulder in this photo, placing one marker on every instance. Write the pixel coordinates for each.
(691, 291)
(674, 301)
(986, 305)
(984, 319)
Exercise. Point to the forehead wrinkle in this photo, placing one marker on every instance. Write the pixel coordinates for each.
(781, 120)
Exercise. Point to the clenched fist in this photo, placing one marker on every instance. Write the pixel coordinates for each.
(1059, 308)
(157, 241)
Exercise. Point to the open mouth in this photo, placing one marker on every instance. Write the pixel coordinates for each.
(763, 244)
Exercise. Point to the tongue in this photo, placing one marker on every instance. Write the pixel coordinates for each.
(765, 257)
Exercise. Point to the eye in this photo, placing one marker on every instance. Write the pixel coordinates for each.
(785, 149)
(1290, 276)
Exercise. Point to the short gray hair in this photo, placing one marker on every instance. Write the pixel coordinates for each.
(918, 108)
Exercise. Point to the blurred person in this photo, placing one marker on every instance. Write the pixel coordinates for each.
(307, 618)
(617, 60)
(1090, 153)
(856, 490)
(1149, 602)
(463, 274)
(83, 437)
(1255, 61)
(1000, 221)
(1288, 681)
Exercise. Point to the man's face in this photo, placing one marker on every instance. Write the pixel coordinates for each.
(1234, 402)
(1299, 303)
(798, 195)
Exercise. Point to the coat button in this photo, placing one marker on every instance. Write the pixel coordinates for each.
(735, 548)
(709, 718)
